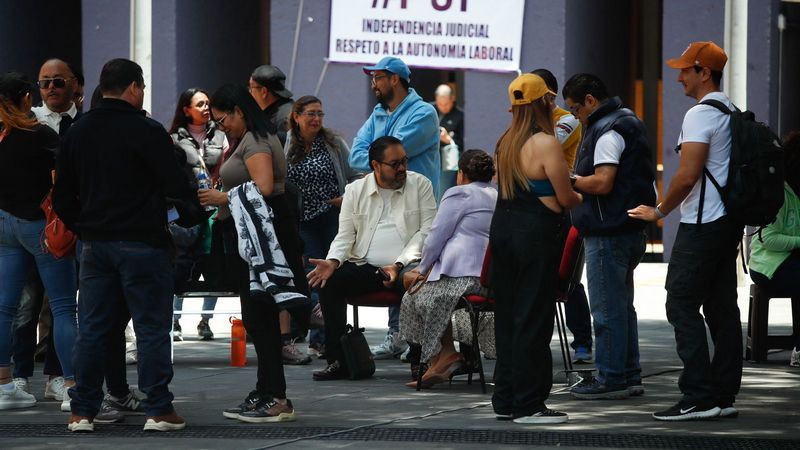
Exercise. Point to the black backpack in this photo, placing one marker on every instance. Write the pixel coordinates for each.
(754, 192)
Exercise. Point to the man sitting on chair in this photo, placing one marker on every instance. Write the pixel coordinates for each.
(383, 223)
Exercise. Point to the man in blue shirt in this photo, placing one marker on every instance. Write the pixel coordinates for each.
(401, 113)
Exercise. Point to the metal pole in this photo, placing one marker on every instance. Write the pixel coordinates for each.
(321, 76)
(296, 41)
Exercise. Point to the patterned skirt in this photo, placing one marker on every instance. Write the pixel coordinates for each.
(425, 315)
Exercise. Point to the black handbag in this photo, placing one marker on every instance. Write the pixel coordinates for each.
(357, 355)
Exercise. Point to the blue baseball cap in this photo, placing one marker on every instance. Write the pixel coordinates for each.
(393, 65)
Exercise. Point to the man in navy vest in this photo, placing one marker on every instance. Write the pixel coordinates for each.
(614, 171)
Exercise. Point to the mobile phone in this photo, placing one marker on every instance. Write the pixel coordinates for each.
(382, 275)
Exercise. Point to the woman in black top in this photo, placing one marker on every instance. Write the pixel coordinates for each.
(27, 153)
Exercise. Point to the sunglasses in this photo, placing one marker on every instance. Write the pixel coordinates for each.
(58, 83)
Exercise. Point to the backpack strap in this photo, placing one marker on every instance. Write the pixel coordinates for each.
(720, 106)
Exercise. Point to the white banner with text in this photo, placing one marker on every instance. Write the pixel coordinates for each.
(447, 34)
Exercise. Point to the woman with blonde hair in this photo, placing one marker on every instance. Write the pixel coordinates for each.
(534, 191)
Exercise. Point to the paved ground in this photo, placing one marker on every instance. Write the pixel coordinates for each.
(380, 412)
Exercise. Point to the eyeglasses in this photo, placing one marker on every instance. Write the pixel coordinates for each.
(396, 164)
(58, 83)
(575, 108)
(377, 77)
(221, 120)
(319, 114)
(250, 88)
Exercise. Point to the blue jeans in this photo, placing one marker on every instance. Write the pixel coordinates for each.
(317, 235)
(115, 275)
(20, 247)
(610, 261)
(209, 303)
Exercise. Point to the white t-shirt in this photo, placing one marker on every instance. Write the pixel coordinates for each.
(386, 244)
(609, 148)
(708, 125)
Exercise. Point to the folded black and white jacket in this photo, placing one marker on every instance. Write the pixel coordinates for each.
(259, 247)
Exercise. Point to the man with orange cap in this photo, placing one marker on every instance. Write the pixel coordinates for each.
(702, 268)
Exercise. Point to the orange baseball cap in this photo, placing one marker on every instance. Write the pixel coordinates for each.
(527, 88)
(703, 54)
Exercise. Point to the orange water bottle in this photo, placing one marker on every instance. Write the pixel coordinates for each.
(238, 343)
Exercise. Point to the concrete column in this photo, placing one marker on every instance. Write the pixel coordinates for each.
(106, 35)
(685, 21)
(762, 61)
(544, 43)
(345, 91)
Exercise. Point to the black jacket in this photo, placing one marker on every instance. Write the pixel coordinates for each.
(278, 115)
(453, 122)
(604, 215)
(114, 172)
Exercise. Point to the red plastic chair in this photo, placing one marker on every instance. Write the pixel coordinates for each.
(570, 271)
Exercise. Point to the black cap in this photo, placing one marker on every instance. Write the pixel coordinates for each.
(14, 85)
(271, 78)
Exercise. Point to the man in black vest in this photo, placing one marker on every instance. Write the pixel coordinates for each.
(614, 171)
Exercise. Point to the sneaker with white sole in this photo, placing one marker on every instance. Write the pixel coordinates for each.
(390, 348)
(794, 360)
(80, 424)
(21, 383)
(293, 356)
(166, 422)
(115, 409)
(727, 410)
(55, 389)
(66, 404)
(686, 411)
(15, 398)
(544, 416)
(270, 411)
(250, 403)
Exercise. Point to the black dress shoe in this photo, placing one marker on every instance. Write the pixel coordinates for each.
(334, 371)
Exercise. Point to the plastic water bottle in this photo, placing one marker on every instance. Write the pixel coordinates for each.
(238, 343)
(203, 182)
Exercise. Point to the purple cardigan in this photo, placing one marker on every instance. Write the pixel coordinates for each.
(457, 242)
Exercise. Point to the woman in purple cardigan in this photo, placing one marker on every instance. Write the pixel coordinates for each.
(453, 252)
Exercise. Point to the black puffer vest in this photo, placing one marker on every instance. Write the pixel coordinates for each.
(604, 215)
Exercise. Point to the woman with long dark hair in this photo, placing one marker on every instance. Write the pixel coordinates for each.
(317, 160)
(534, 190)
(197, 135)
(257, 157)
(27, 151)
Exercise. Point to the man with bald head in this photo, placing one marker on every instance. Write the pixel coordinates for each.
(57, 85)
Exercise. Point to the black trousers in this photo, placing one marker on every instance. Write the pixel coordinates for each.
(260, 313)
(702, 273)
(348, 280)
(525, 255)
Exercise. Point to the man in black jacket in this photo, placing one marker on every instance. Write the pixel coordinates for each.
(266, 85)
(115, 170)
(615, 173)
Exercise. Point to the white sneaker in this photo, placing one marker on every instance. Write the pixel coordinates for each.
(390, 348)
(65, 404)
(131, 354)
(21, 383)
(16, 398)
(55, 389)
(794, 361)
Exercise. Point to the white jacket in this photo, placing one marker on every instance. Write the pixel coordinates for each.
(413, 208)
